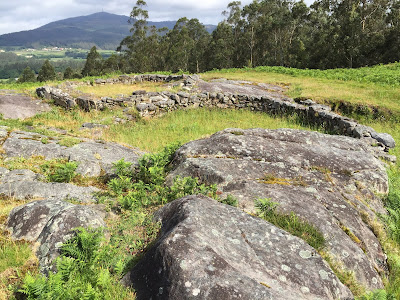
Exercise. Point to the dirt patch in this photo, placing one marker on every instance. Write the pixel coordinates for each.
(20, 106)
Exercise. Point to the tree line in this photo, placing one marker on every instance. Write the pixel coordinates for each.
(327, 34)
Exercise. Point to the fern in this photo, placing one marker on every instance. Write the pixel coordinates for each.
(33, 287)
(89, 293)
(63, 172)
(120, 185)
(103, 278)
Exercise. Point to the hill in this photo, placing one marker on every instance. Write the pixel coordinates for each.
(102, 29)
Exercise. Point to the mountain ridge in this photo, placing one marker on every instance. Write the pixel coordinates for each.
(102, 29)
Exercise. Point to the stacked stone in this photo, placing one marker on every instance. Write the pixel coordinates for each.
(156, 103)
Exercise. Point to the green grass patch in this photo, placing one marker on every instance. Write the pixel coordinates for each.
(267, 210)
(69, 141)
(188, 125)
(381, 74)
(13, 254)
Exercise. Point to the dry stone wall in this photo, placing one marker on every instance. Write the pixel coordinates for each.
(156, 103)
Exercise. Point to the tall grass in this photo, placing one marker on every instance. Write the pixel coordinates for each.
(186, 125)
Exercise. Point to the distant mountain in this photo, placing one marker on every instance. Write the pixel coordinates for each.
(102, 29)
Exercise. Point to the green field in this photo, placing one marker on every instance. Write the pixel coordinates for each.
(58, 54)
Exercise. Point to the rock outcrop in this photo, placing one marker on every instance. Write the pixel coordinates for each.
(94, 157)
(25, 184)
(50, 223)
(19, 106)
(209, 250)
(330, 181)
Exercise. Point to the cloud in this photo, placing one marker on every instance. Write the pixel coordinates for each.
(19, 15)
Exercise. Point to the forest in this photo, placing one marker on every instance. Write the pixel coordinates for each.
(327, 34)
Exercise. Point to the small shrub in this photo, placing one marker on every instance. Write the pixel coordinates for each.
(230, 200)
(63, 172)
(120, 185)
(266, 208)
(122, 168)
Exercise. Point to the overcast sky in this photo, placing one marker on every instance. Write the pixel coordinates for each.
(19, 15)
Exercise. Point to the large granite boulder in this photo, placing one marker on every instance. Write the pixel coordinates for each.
(209, 250)
(330, 181)
(94, 157)
(50, 223)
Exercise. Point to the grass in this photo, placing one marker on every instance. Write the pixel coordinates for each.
(152, 134)
(186, 125)
(345, 276)
(69, 141)
(291, 223)
(13, 254)
(16, 258)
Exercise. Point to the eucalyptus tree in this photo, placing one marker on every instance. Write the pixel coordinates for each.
(220, 51)
(391, 47)
(141, 48)
(234, 18)
(187, 42)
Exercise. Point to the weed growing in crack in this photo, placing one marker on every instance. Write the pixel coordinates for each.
(267, 210)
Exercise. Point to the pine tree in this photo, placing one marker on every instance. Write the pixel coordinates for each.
(68, 73)
(28, 75)
(46, 72)
(94, 63)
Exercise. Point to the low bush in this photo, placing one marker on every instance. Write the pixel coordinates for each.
(230, 200)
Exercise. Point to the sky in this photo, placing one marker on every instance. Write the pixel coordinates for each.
(19, 15)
